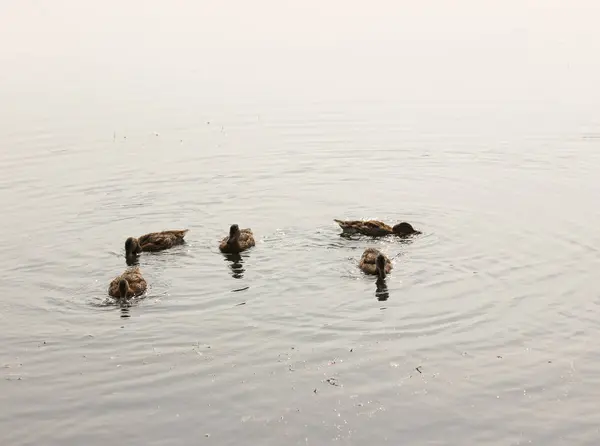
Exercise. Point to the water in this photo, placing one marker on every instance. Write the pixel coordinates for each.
(478, 125)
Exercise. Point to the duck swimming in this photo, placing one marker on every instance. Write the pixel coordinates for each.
(127, 285)
(238, 240)
(375, 228)
(154, 241)
(375, 262)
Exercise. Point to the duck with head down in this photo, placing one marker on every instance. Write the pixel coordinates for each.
(129, 284)
(154, 241)
(374, 262)
(376, 228)
(237, 241)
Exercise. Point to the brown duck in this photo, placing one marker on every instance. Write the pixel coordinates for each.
(154, 241)
(127, 285)
(375, 262)
(238, 240)
(375, 228)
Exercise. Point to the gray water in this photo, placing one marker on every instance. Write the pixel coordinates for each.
(478, 124)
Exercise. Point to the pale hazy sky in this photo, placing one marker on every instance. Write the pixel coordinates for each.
(447, 50)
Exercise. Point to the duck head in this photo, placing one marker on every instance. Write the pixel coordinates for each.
(123, 288)
(404, 229)
(132, 247)
(234, 234)
(380, 264)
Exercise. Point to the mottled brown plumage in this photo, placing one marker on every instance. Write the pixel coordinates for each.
(375, 228)
(238, 240)
(127, 285)
(154, 241)
(375, 262)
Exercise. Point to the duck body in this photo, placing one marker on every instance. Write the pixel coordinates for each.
(129, 284)
(369, 227)
(154, 241)
(237, 241)
(375, 228)
(374, 262)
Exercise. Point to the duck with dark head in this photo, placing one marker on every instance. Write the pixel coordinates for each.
(153, 242)
(129, 284)
(132, 250)
(237, 241)
(374, 262)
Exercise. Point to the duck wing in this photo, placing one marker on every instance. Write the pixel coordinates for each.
(113, 287)
(247, 238)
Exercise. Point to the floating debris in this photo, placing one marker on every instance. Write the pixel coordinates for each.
(418, 369)
(333, 382)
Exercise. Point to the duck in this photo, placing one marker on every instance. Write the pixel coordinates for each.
(375, 228)
(154, 241)
(129, 284)
(374, 262)
(237, 241)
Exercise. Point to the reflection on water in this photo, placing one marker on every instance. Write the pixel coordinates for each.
(125, 306)
(402, 239)
(381, 292)
(236, 266)
(132, 260)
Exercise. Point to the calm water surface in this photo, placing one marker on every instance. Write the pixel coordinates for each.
(480, 126)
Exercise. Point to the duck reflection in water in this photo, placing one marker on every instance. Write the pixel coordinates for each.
(125, 309)
(132, 260)
(381, 292)
(236, 266)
